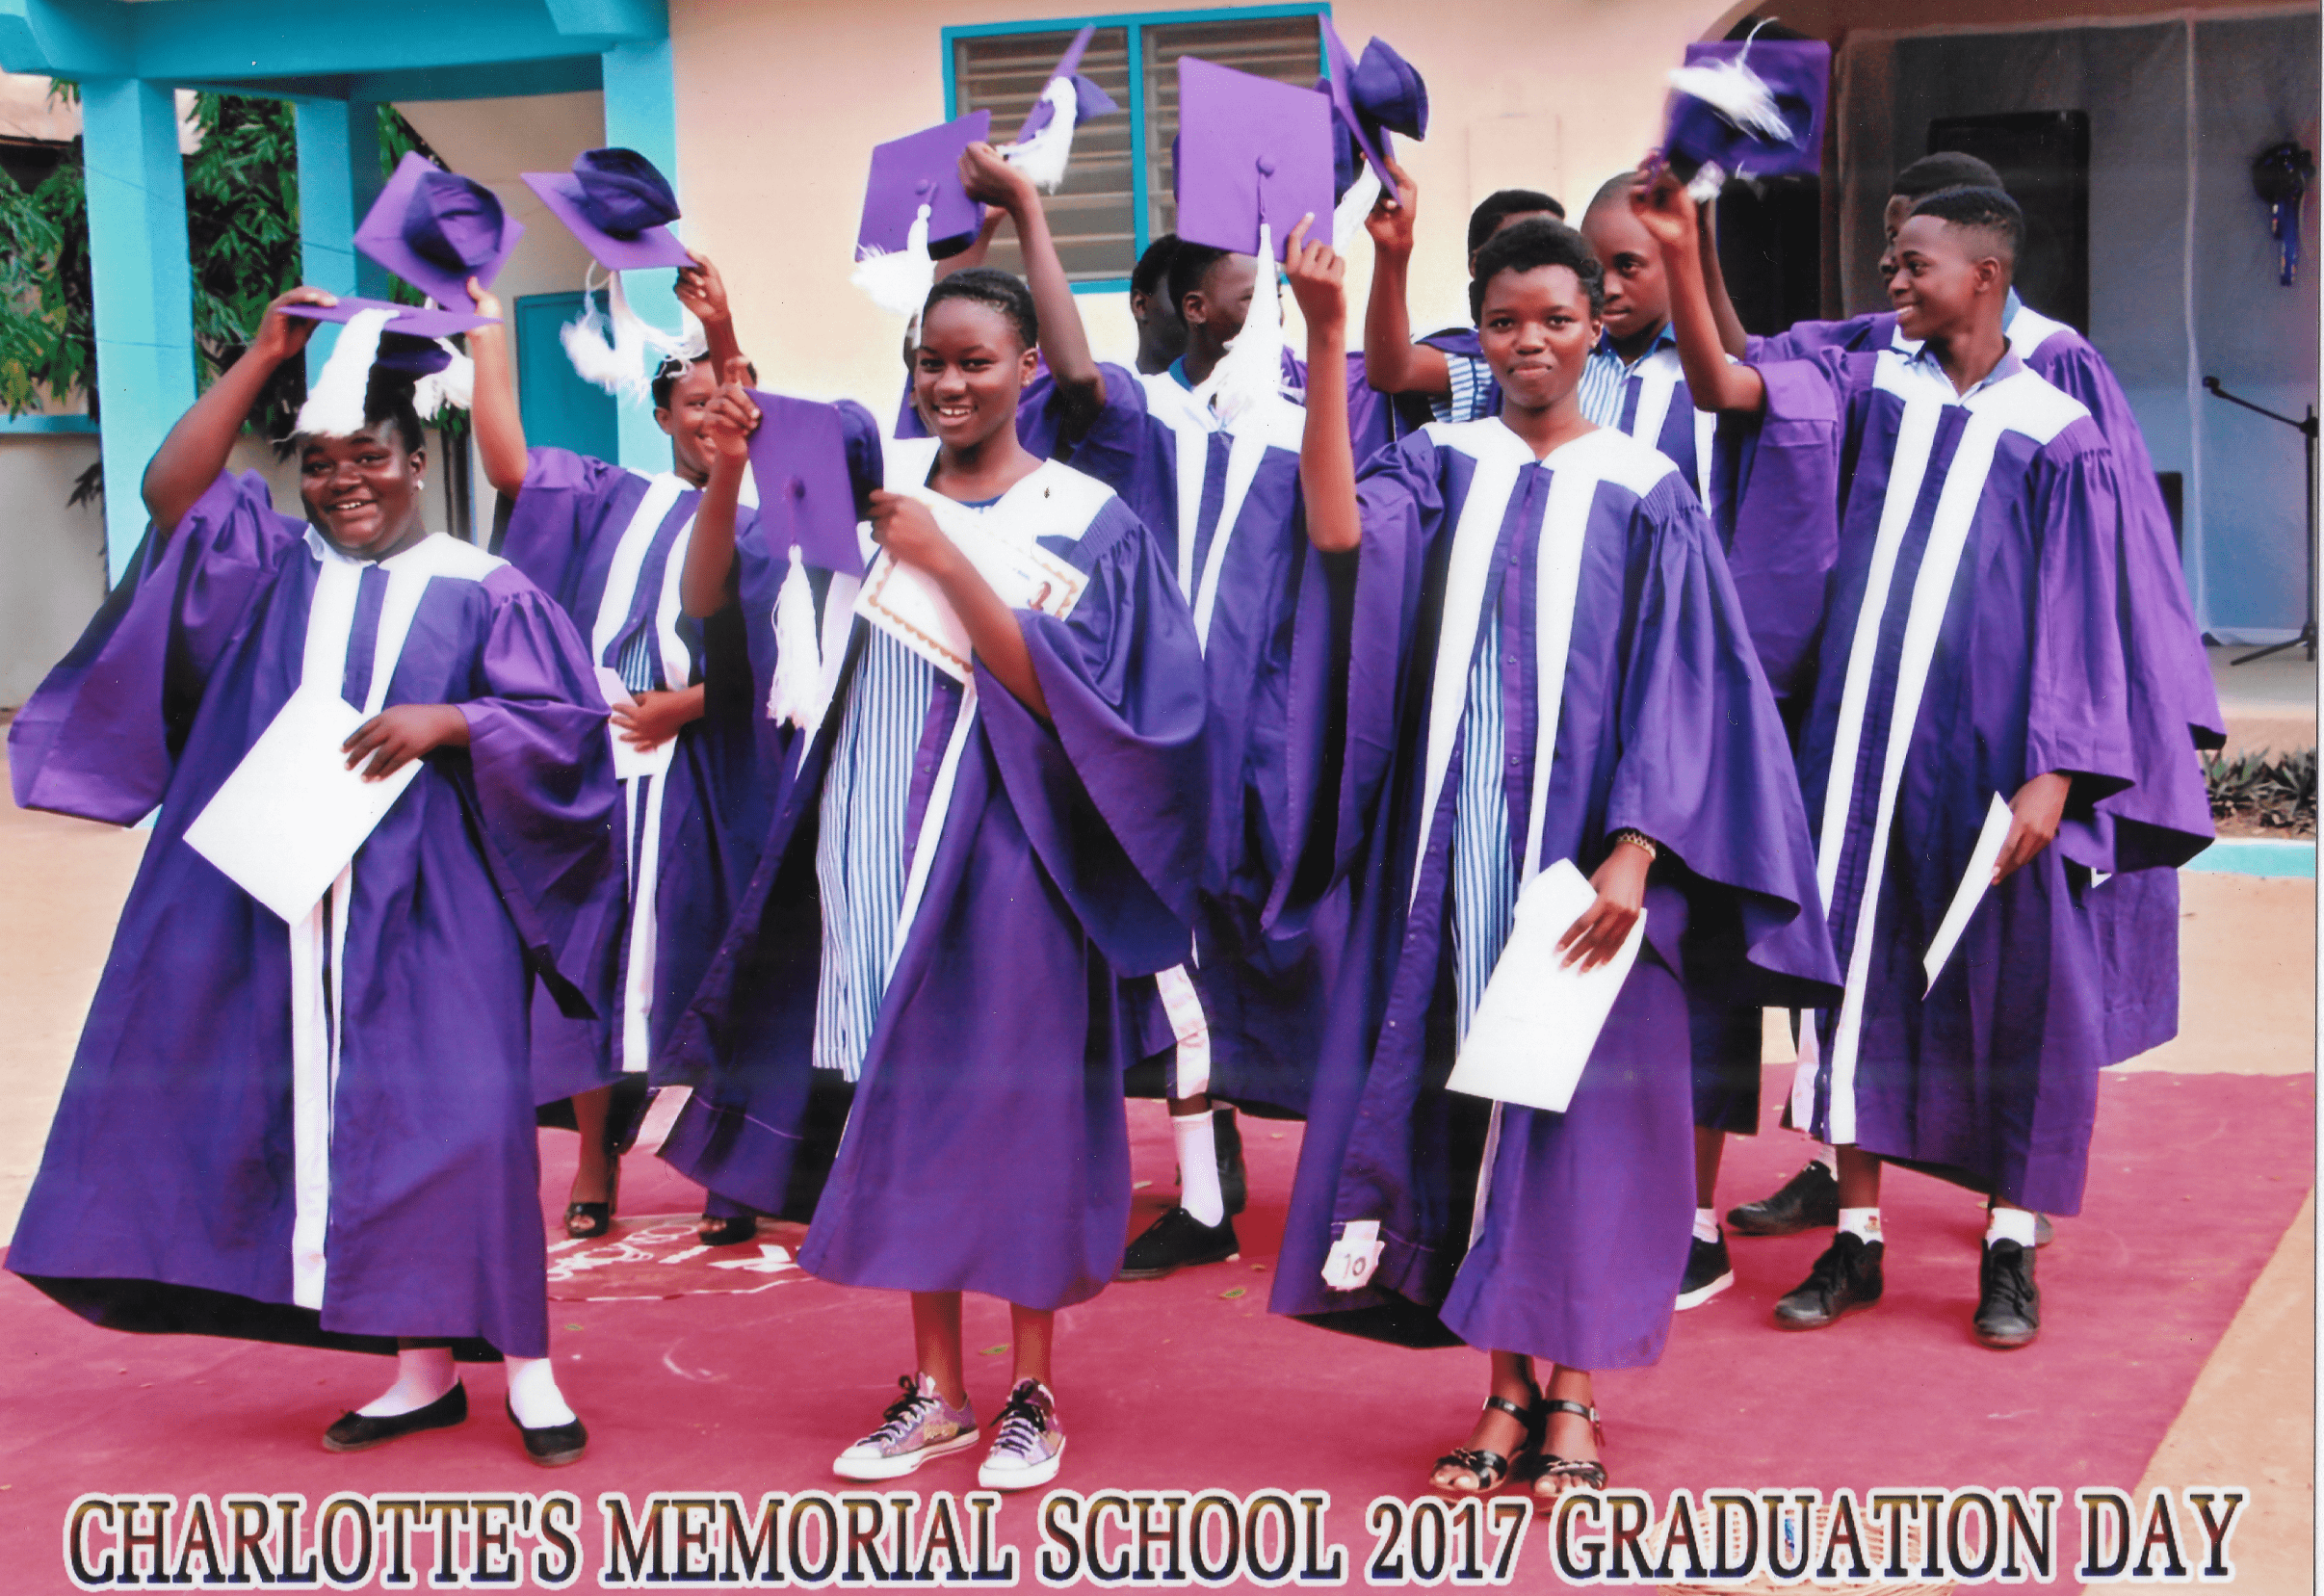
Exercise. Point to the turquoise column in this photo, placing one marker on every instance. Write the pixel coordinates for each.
(144, 287)
(641, 113)
(338, 179)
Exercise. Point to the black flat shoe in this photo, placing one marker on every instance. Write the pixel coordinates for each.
(2009, 1304)
(552, 1446)
(1178, 1241)
(361, 1432)
(733, 1230)
(1848, 1277)
(1807, 1201)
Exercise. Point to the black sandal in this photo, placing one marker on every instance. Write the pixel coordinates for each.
(727, 1231)
(1490, 1468)
(1583, 1472)
(589, 1221)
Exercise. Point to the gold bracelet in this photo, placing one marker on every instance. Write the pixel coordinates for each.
(1638, 839)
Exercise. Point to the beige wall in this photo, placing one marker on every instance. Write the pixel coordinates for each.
(54, 556)
(780, 102)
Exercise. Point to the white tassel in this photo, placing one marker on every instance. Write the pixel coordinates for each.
(335, 405)
(622, 364)
(796, 693)
(1348, 216)
(1705, 186)
(898, 281)
(1736, 93)
(453, 387)
(1250, 374)
(1043, 156)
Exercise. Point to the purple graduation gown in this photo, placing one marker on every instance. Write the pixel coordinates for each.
(986, 1149)
(1994, 622)
(168, 1199)
(1664, 721)
(566, 529)
(1241, 1022)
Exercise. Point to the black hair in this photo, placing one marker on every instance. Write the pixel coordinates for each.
(1948, 168)
(1529, 245)
(1154, 266)
(1986, 209)
(387, 404)
(1485, 220)
(672, 371)
(989, 285)
(1189, 265)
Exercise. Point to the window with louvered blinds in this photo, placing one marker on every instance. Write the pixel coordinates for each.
(1117, 193)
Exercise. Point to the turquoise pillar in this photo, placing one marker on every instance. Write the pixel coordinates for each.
(641, 113)
(338, 179)
(144, 287)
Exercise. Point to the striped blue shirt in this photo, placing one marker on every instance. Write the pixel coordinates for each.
(1472, 385)
(860, 853)
(1485, 881)
(1606, 375)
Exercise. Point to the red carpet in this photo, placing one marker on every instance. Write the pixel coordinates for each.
(695, 1378)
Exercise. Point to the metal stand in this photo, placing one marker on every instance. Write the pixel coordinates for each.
(2307, 429)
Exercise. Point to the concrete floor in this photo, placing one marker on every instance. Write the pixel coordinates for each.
(2248, 969)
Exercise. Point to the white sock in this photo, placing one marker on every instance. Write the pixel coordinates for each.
(1829, 1159)
(423, 1374)
(1862, 1222)
(1705, 1225)
(1198, 1191)
(532, 1393)
(2010, 1224)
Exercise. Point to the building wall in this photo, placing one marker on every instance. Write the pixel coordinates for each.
(54, 556)
(780, 102)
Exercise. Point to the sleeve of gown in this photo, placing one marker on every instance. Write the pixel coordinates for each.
(1785, 519)
(553, 516)
(2131, 758)
(1125, 447)
(545, 795)
(100, 735)
(1704, 768)
(1112, 793)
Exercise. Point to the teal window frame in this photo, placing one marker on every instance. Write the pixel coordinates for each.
(1135, 23)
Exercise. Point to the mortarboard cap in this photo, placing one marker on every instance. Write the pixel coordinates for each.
(1752, 108)
(436, 229)
(1089, 100)
(618, 204)
(807, 459)
(1380, 93)
(921, 168)
(404, 341)
(1249, 146)
(418, 322)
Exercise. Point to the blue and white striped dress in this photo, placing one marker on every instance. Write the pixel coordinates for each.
(1485, 881)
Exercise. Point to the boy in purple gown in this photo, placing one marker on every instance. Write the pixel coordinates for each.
(322, 1134)
(1998, 660)
(960, 878)
(1545, 661)
(608, 544)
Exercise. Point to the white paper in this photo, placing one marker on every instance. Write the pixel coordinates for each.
(1976, 881)
(292, 815)
(905, 602)
(630, 760)
(1354, 1256)
(1539, 1019)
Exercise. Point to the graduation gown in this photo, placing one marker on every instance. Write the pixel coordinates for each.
(1239, 1018)
(1626, 695)
(1989, 620)
(986, 1149)
(608, 544)
(320, 1134)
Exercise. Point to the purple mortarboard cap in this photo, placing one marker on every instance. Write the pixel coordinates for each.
(618, 204)
(806, 459)
(1372, 98)
(1249, 145)
(1793, 76)
(921, 168)
(1089, 100)
(410, 320)
(408, 356)
(435, 230)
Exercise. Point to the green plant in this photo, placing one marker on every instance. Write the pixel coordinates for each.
(242, 232)
(2276, 793)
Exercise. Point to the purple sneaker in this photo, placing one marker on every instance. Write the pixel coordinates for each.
(918, 1425)
(1027, 1443)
